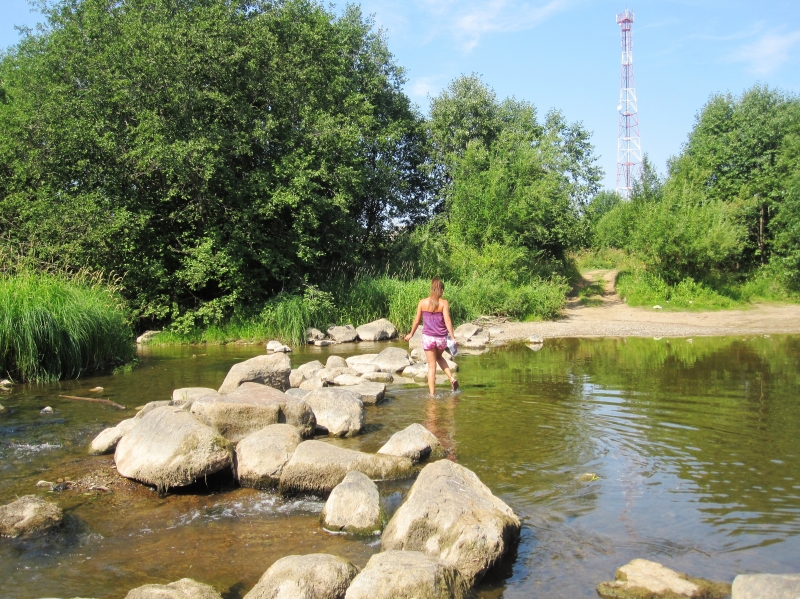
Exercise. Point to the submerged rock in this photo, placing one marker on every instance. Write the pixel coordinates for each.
(169, 447)
(107, 440)
(343, 334)
(452, 515)
(186, 588)
(29, 516)
(317, 467)
(377, 330)
(186, 396)
(414, 442)
(408, 574)
(313, 576)
(271, 370)
(354, 506)
(261, 456)
(338, 412)
(251, 407)
(643, 578)
(763, 586)
(392, 359)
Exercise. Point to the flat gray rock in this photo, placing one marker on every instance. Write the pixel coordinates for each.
(29, 516)
(186, 588)
(354, 506)
(345, 380)
(360, 359)
(392, 359)
(370, 393)
(377, 330)
(378, 377)
(338, 412)
(261, 456)
(414, 442)
(169, 447)
(363, 369)
(343, 334)
(313, 576)
(317, 467)
(106, 441)
(186, 396)
(766, 586)
(408, 575)
(271, 370)
(450, 514)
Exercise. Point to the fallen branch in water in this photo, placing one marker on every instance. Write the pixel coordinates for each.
(96, 400)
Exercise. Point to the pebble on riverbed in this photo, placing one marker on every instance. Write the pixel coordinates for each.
(47, 410)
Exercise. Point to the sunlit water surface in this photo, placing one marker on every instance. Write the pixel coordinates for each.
(695, 446)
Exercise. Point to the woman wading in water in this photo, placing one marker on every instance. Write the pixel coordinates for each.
(436, 325)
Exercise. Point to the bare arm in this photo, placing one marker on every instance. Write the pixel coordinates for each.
(414, 326)
(447, 322)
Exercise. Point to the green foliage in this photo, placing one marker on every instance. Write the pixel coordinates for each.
(53, 327)
(213, 152)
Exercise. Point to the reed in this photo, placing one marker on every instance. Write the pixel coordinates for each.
(54, 326)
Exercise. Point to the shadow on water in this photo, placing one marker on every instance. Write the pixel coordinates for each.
(607, 449)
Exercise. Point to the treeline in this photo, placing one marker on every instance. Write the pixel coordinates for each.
(249, 162)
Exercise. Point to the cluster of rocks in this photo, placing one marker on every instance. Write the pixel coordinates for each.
(378, 330)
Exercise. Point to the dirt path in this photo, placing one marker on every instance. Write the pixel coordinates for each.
(607, 315)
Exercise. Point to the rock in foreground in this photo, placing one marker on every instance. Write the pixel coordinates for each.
(338, 412)
(317, 467)
(261, 456)
(414, 442)
(643, 578)
(763, 586)
(354, 506)
(271, 370)
(29, 516)
(313, 576)
(186, 588)
(169, 447)
(408, 575)
(452, 515)
(107, 440)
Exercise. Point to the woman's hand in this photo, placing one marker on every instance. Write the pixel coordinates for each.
(407, 337)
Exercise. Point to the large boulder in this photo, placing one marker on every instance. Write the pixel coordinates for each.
(338, 412)
(150, 406)
(271, 370)
(344, 334)
(251, 407)
(414, 442)
(452, 515)
(317, 467)
(370, 393)
(261, 456)
(377, 330)
(335, 362)
(643, 578)
(313, 576)
(107, 440)
(392, 359)
(297, 393)
(345, 380)
(763, 586)
(186, 588)
(29, 516)
(169, 447)
(354, 506)
(186, 396)
(408, 575)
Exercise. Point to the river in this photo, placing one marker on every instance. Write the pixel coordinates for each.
(694, 444)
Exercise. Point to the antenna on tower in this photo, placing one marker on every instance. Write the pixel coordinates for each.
(629, 144)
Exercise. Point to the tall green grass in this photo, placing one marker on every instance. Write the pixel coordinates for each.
(53, 326)
(366, 297)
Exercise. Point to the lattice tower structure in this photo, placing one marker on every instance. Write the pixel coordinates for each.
(629, 143)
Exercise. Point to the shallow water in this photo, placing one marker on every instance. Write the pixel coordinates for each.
(694, 445)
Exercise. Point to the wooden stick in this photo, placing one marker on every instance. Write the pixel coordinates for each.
(96, 400)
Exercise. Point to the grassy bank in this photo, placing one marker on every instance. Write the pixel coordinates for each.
(640, 287)
(54, 327)
(367, 298)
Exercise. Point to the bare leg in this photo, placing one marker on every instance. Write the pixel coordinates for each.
(430, 354)
(443, 364)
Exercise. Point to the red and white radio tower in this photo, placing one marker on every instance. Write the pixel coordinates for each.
(629, 144)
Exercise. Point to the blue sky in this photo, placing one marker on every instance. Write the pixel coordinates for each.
(565, 54)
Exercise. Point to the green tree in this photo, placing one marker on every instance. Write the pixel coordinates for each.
(213, 152)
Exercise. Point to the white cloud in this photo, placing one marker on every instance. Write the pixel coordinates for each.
(769, 52)
(422, 86)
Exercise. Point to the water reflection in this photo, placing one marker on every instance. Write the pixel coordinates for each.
(693, 444)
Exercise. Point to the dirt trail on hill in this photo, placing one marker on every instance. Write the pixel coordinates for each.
(612, 317)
